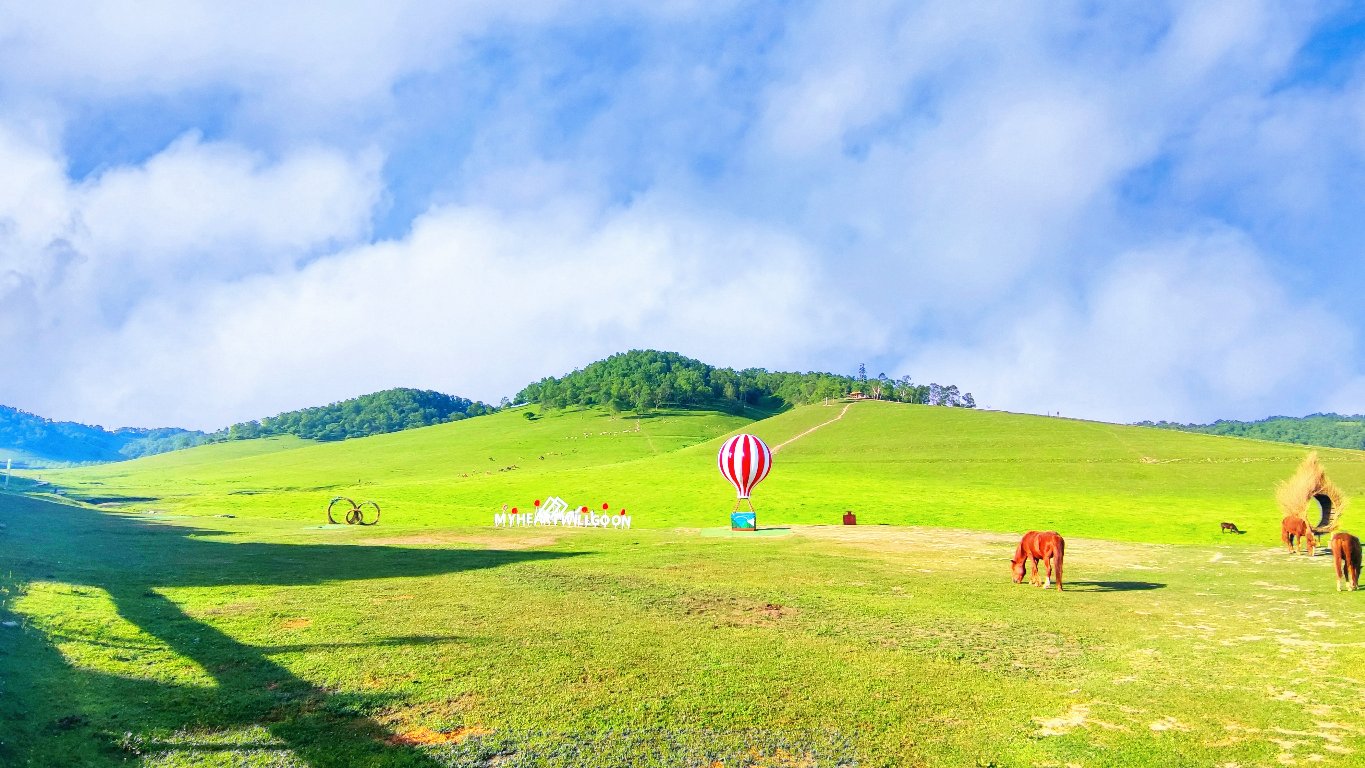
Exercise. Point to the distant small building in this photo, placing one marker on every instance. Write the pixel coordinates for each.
(856, 395)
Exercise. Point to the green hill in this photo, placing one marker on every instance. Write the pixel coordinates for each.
(644, 379)
(377, 413)
(434, 640)
(1326, 429)
(888, 462)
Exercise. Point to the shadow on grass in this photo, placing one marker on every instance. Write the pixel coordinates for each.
(65, 715)
(1112, 586)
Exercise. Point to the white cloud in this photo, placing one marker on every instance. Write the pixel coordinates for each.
(295, 56)
(473, 302)
(193, 201)
(869, 175)
(1166, 333)
(76, 260)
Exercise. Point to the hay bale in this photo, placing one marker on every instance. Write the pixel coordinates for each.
(1311, 484)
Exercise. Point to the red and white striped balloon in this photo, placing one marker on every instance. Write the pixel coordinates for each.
(744, 460)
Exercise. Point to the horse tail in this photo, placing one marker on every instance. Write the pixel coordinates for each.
(1061, 550)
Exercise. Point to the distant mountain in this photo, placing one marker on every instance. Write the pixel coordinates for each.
(35, 441)
(1325, 429)
(374, 414)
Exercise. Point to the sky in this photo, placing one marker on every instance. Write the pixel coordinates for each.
(216, 212)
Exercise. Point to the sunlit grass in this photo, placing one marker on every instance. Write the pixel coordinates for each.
(183, 638)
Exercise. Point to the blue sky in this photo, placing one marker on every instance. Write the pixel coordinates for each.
(1115, 211)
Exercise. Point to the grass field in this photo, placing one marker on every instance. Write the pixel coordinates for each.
(181, 638)
(890, 463)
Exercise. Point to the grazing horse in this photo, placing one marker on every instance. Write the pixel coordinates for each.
(1294, 530)
(1346, 559)
(1047, 546)
(1231, 528)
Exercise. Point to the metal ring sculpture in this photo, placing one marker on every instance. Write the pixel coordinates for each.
(355, 513)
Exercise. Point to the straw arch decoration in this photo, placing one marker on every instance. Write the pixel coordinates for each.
(353, 513)
(1310, 483)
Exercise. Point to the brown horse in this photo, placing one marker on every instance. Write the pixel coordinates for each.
(1294, 530)
(1047, 546)
(1346, 559)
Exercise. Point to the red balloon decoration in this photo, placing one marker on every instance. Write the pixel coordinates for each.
(744, 460)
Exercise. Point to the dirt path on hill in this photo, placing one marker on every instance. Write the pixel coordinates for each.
(786, 443)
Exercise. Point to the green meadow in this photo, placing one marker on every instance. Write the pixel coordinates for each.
(890, 463)
(192, 609)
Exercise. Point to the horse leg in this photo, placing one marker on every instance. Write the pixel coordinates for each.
(1060, 555)
(1047, 563)
(1338, 566)
(1034, 578)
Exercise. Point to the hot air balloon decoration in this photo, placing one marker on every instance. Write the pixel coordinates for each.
(744, 460)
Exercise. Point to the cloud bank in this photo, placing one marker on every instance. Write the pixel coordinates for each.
(1130, 212)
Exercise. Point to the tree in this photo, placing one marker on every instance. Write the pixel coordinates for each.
(935, 394)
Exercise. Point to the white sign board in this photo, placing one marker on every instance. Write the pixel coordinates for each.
(555, 511)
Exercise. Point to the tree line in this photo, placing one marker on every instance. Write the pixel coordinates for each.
(373, 414)
(643, 380)
(1325, 429)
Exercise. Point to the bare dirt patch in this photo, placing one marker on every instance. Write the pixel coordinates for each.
(1168, 723)
(430, 722)
(736, 612)
(238, 608)
(421, 737)
(1078, 716)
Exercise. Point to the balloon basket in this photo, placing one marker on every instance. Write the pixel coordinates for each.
(744, 521)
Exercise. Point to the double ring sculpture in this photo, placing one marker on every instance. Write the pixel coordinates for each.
(355, 513)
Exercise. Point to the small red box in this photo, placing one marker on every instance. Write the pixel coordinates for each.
(850, 518)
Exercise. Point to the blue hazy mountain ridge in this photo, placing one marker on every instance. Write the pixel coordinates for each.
(40, 441)
(34, 441)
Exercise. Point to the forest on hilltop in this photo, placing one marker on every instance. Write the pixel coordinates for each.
(1325, 429)
(374, 414)
(642, 380)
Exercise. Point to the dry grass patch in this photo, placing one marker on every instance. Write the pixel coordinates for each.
(423, 737)
(736, 612)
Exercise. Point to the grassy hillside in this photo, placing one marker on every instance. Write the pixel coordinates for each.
(444, 474)
(433, 640)
(216, 642)
(890, 463)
